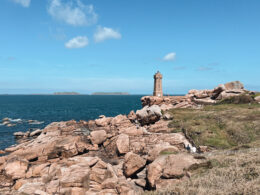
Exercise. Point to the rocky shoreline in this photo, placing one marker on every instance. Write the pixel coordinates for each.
(110, 155)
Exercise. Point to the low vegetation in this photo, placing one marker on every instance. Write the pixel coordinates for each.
(232, 172)
(233, 132)
(220, 126)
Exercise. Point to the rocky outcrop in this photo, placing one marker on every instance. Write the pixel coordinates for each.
(109, 155)
(196, 98)
(27, 134)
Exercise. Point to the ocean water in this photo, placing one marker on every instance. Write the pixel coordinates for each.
(44, 109)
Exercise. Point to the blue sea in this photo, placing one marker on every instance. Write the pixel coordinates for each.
(44, 109)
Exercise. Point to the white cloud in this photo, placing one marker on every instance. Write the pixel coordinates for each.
(24, 3)
(73, 12)
(104, 33)
(169, 57)
(77, 42)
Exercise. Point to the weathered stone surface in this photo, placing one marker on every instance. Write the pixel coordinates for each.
(119, 119)
(137, 147)
(36, 133)
(160, 126)
(165, 107)
(98, 137)
(133, 130)
(38, 170)
(133, 163)
(131, 116)
(163, 148)
(176, 164)
(148, 115)
(31, 188)
(103, 121)
(257, 98)
(19, 134)
(122, 143)
(234, 85)
(16, 168)
(169, 167)
(74, 176)
(154, 170)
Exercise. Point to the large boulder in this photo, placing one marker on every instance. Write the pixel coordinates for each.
(98, 137)
(133, 163)
(74, 176)
(170, 166)
(122, 143)
(163, 148)
(148, 115)
(234, 85)
(160, 126)
(176, 165)
(154, 171)
(103, 121)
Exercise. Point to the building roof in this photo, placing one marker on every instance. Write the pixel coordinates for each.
(158, 74)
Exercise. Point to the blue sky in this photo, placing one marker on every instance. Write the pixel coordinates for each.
(116, 45)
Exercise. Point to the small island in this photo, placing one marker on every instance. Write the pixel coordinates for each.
(110, 93)
(66, 93)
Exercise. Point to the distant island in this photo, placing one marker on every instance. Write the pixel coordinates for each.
(66, 93)
(110, 93)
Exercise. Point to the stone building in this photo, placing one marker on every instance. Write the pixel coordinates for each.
(158, 85)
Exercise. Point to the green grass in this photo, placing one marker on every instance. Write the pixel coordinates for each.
(167, 152)
(219, 126)
(256, 94)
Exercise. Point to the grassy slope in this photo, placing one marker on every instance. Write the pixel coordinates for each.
(220, 126)
(232, 173)
(233, 129)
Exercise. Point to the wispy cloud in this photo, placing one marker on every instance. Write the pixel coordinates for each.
(73, 12)
(24, 3)
(77, 42)
(104, 33)
(169, 57)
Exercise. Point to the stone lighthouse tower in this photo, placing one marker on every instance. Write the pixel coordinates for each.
(158, 85)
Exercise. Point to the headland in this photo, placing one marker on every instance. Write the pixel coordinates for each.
(172, 145)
